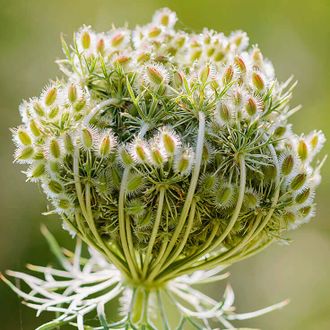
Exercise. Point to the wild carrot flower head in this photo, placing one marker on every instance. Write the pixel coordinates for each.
(169, 151)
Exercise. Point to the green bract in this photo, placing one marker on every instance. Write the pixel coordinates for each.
(169, 151)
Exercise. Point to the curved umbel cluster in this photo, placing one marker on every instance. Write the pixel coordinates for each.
(169, 151)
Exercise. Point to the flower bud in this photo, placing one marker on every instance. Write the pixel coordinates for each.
(106, 145)
(156, 75)
(117, 39)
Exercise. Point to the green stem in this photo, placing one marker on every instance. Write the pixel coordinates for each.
(154, 231)
(189, 198)
(185, 263)
(122, 227)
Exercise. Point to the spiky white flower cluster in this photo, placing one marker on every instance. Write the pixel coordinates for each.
(169, 151)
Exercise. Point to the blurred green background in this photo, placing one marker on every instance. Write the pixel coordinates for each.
(294, 34)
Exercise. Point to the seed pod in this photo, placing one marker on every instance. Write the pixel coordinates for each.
(85, 39)
(34, 128)
(55, 187)
(223, 113)
(225, 196)
(240, 64)
(306, 211)
(53, 112)
(251, 199)
(37, 107)
(289, 217)
(298, 181)
(155, 75)
(288, 164)
(54, 149)
(64, 204)
(251, 106)
(228, 75)
(100, 46)
(257, 81)
(36, 171)
(169, 141)
(117, 39)
(302, 150)
(139, 150)
(50, 96)
(135, 207)
(125, 157)
(72, 93)
(302, 197)
(157, 157)
(183, 162)
(68, 144)
(24, 137)
(24, 154)
(134, 183)
(86, 138)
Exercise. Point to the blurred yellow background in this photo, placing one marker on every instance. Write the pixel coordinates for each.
(294, 34)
